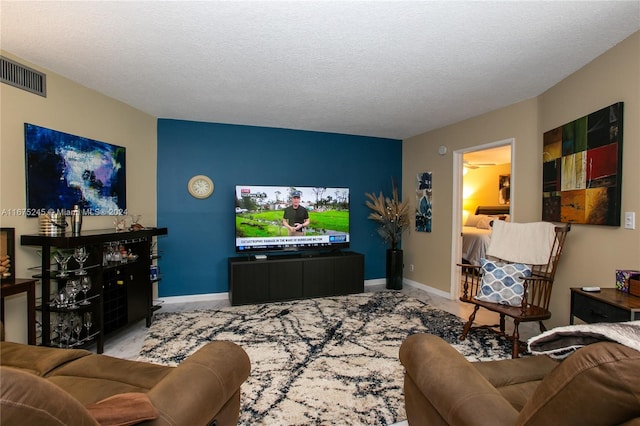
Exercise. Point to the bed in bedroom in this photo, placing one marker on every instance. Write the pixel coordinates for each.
(476, 232)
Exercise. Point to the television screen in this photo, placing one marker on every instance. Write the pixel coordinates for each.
(275, 218)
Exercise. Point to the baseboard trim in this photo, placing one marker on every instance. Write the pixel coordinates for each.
(428, 289)
(195, 298)
(225, 296)
(376, 282)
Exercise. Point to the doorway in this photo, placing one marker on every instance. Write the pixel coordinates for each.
(492, 165)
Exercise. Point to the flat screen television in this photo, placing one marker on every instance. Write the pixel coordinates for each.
(260, 213)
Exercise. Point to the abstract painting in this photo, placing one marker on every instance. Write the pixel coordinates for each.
(423, 202)
(582, 169)
(64, 170)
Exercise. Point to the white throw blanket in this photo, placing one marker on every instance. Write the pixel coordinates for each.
(561, 342)
(528, 243)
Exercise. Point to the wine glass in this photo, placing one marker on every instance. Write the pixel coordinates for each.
(80, 255)
(85, 285)
(62, 259)
(73, 288)
(60, 330)
(77, 326)
(72, 325)
(88, 322)
(61, 300)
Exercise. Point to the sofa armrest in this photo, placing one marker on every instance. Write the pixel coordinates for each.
(452, 386)
(197, 389)
(598, 384)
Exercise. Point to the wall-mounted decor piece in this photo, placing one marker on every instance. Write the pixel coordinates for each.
(64, 170)
(423, 202)
(200, 186)
(504, 189)
(582, 169)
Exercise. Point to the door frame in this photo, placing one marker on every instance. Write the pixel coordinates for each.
(456, 228)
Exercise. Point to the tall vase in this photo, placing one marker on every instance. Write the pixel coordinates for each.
(394, 269)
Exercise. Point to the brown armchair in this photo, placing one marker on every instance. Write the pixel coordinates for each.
(534, 304)
(597, 385)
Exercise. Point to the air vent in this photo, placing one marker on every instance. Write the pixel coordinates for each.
(22, 77)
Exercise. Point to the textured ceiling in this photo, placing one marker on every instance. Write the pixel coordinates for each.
(387, 69)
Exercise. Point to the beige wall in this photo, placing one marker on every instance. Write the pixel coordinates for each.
(430, 253)
(595, 252)
(592, 252)
(71, 108)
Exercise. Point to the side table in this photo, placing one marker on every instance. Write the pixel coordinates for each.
(607, 305)
(20, 285)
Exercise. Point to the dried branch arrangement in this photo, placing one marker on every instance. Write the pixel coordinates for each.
(391, 214)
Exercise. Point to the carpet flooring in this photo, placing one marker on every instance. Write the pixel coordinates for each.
(319, 361)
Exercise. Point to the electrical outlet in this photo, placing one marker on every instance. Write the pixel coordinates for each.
(411, 267)
(629, 220)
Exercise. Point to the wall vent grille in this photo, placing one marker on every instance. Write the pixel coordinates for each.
(23, 77)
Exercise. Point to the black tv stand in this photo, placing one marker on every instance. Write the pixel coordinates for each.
(295, 276)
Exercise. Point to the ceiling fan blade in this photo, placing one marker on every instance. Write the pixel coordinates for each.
(477, 165)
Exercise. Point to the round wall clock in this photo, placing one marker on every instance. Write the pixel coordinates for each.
(200, 186)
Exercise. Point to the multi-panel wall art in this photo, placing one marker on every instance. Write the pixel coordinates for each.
(64, 170)
(582, 169)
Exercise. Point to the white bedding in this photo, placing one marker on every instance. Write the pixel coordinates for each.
(474, 243)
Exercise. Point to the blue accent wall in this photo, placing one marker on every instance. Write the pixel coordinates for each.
(201, 232)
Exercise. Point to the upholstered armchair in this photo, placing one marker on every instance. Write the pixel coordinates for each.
(596, 385)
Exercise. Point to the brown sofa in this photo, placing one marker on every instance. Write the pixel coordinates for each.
(50, 386)
(597, 385)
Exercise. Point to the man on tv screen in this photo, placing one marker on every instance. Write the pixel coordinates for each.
(296, 217)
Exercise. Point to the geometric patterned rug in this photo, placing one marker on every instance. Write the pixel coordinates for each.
(325, 361)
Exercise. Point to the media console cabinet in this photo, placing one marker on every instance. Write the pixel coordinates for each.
(289, 277)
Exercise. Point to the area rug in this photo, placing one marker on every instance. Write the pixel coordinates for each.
(321, 361)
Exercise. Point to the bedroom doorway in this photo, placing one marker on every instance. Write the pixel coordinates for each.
(482, 177)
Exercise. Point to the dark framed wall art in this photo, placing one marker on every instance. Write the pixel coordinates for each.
(504, 189)
(582, 169)
(64, 170)
(424, 193)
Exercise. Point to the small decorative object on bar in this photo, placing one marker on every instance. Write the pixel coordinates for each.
(582, 169)
(393, 217)
(76, 220)
(423, 205)
(135, 222)
(52, 224)
(120, 223)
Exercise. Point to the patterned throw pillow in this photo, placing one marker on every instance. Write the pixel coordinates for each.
(502, 282)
